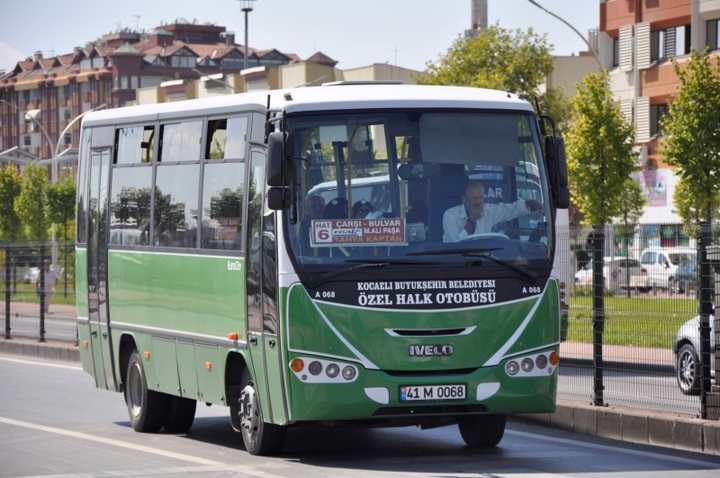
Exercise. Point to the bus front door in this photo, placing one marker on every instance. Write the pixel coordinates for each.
(97, 268)
(262, 307)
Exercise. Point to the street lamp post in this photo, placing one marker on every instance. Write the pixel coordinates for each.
(246, 7)
(569, 25)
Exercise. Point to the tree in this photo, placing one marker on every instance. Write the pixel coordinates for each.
(31, 204)
(61, 202)
(688, 208)
(599, 150)
(10, 187)
(61, 207)
(600, 161)
(692, 136)
(498, 58)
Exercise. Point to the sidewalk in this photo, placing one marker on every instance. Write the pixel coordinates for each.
(577, 351)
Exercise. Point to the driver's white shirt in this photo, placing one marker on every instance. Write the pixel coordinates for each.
(454, 219)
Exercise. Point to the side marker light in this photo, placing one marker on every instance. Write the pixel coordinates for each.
(296, 365)
(554, 358)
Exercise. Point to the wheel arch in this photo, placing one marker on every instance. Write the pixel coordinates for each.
(235, 363)
(125, 349)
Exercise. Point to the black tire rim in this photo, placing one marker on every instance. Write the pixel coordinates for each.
(135, 390)
(686, 369)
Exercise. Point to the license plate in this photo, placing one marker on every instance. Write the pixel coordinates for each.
(410, 393)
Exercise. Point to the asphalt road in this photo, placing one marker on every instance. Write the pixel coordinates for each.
(54, 422)
(55, 328)
(648, 390)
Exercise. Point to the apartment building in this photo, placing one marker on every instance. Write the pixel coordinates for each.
(109, 71)
(637, 41)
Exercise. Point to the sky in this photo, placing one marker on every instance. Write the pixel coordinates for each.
(408, 33)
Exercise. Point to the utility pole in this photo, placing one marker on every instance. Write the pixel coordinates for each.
(246, 7)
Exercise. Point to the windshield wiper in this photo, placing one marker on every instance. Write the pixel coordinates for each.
(327, 276)
(464, 252)
(504, 263)
(480, 253)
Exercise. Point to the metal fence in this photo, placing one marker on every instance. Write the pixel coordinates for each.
(636, 340)
(37, 281)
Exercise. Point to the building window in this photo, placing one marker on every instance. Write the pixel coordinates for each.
(66, 114)
(657, 112)
(86, 64)
(27, 141)
(232, 63)
(183, 62)
(67, 138)
(616, 52)
(711, 32)
(669, 43)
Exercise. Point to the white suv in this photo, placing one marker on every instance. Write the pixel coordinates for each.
(660, 265)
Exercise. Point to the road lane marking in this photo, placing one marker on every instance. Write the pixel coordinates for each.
(44, 364)
(142, 448)
(597, 446)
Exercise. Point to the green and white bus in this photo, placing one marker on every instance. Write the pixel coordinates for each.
(288, 254)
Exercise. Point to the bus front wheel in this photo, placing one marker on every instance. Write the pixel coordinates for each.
(147, 408)
(482, 431)
(259, 437)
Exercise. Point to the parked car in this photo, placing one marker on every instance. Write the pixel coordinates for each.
(661, 266)
(686, 350)
(616, 271)
(686, 276)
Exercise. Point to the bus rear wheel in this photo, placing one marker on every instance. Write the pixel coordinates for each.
(482, 431)
(148, 410)
(259, 437)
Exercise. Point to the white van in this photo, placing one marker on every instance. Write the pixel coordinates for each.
(660, 264)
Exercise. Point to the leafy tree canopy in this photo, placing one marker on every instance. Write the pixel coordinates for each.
(10, 187)
(509, 60)
(692, 137)
(32, 203)
(599, 150)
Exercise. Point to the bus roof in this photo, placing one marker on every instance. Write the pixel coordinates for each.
(318, 98)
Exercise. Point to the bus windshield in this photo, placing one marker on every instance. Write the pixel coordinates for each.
(423, 186)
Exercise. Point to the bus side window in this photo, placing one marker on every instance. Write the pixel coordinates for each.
(222, 205)
(82, 187)
(176, 204)
(226, 138)
(134, 144)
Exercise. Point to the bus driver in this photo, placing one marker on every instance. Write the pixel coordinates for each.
(473, 216)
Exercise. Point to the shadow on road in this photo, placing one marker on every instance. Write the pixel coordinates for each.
(441, 450)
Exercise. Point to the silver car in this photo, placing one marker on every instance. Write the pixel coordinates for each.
(687, 361)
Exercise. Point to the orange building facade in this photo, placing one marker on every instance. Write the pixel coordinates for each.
(638, 41)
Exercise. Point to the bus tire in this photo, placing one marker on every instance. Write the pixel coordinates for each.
(181, 414)
(147, 408)
(259, 437)
(482, 431)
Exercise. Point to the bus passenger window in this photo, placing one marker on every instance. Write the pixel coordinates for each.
(181, 141)
(134, 144)
(222, 205)
(176, 205)
(130, 206)
(227, 138)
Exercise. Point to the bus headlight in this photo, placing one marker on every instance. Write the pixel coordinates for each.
(512, 368)
(315, 367)
(332, 370)
(541, 364)
(348, 372)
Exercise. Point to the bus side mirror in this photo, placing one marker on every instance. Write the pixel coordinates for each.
(276, 169)
(557, 169)
(278, 198)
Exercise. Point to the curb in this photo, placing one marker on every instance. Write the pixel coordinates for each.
(634, 426)
(52, 350)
